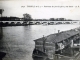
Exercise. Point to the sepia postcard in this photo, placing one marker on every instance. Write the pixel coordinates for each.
(39, 30)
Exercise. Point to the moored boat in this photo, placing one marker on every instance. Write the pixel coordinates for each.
(39, 55)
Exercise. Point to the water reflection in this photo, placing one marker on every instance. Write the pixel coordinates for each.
(2, 54)
(1, 41)
(1, 32)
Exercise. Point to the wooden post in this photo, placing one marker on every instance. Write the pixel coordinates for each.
(43, 43)
(72, 52)
(79, 46)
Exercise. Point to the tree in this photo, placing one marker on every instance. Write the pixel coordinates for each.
(27, 16)
(1, 11)
(51, 19)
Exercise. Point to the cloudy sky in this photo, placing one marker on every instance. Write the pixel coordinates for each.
(19, 7)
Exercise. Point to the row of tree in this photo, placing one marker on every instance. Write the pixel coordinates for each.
(27, 17)
(30, 19)
(10, 19)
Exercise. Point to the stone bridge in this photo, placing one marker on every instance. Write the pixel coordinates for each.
(40, 22)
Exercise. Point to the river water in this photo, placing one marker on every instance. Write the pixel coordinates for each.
(18, 42)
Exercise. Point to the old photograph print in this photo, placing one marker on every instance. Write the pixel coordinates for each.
(39, 30)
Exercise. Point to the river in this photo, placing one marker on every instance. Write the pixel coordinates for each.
(18, 42)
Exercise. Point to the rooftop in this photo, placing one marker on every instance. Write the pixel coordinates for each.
(57, 37)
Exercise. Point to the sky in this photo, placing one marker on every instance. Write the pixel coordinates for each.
(19, 7)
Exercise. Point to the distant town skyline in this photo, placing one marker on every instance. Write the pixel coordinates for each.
(18, 8)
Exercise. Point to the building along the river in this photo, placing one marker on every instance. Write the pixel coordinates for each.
(60, 43)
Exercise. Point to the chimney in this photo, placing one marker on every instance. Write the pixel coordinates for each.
(58, 31)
